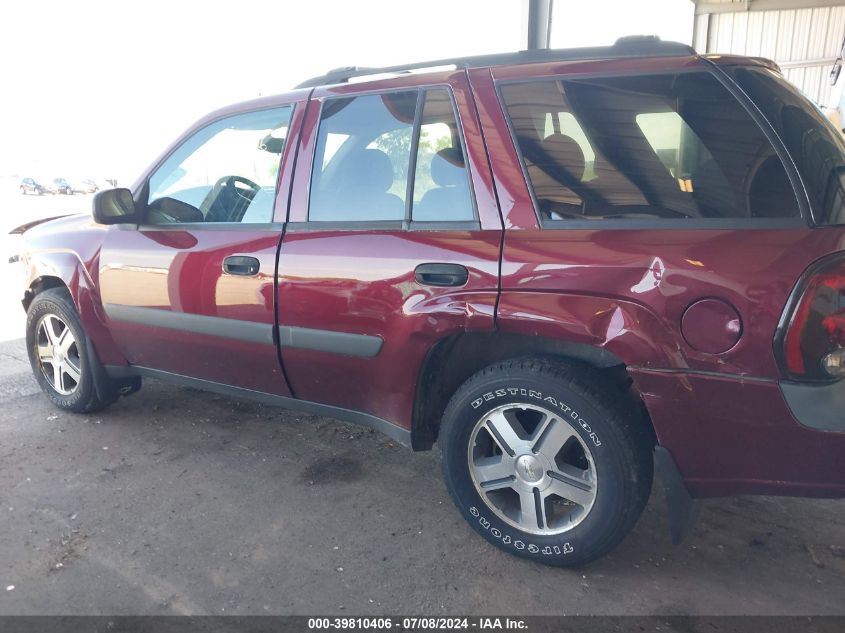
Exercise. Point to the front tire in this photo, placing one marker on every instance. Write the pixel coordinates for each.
(59, 355)
(546, 460)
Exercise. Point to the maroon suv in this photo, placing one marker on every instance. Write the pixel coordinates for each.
(566, 268)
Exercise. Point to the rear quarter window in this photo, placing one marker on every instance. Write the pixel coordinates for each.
(661, 147)
(817, 148)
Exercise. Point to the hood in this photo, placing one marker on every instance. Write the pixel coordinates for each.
(61, 222)
(77, 235)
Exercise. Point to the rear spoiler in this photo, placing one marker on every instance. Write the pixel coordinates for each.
(738, 60)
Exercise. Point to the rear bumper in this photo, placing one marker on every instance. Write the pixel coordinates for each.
(732, 435)
(820, 407)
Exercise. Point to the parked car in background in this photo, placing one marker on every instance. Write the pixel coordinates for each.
(566, 268)
(84, 186)
(30, 185)
(59, 185)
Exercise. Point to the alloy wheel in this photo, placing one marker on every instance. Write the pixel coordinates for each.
(532, 468)
(58, 354)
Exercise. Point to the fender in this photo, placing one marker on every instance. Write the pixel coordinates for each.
(71, 256)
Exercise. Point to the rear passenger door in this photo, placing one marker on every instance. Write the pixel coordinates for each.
(392, 243)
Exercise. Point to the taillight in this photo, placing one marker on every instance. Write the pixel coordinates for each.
(813, 345)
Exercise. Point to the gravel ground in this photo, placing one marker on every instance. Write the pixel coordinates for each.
(176, 501)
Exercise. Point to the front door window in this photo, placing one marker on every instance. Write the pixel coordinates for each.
(226, 172)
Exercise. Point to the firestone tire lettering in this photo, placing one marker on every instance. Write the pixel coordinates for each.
(518, 544)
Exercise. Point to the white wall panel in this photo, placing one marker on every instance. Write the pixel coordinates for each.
(804, 41)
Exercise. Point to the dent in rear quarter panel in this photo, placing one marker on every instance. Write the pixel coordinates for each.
(69, 249)
(628, 290)
(721, 415)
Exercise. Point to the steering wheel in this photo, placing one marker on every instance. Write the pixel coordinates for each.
(227, 202)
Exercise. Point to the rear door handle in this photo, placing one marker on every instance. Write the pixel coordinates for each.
(441, 274)
(241, 265)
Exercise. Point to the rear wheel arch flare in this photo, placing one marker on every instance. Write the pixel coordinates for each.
(454, 359)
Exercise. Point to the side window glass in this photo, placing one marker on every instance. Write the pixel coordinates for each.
(363, 158)
(566, 124)
(396, 144)
(817, 148)
(668, 147)
(363, 150)
(333, 143)
(441, 182)
(663, 131)
(226, 172)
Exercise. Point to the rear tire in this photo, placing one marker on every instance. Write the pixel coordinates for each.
(59, 354)
(546, 460)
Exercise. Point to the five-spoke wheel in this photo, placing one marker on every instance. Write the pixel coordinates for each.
(547, 459)
(62, 358)
(58, 354)
(532, 468)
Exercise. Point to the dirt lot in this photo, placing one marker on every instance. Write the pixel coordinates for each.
(178, 501)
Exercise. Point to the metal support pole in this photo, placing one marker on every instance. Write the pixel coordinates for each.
(539, 23)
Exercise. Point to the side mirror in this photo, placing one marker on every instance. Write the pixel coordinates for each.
(114, 206)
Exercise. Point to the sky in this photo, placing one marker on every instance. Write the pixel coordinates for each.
(100, 88)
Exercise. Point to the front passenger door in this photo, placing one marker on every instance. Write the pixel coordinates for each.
(191, 291)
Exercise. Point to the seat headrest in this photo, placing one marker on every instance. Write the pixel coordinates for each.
(564, 150)
(448, 168)
(370, 169)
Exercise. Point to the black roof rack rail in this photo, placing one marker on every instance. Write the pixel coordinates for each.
(630, 46)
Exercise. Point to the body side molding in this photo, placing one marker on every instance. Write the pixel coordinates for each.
(362, 345)
(248, 331)
(345, 343)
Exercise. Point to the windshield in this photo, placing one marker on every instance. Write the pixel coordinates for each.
(814, 144)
